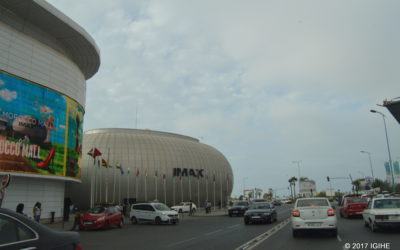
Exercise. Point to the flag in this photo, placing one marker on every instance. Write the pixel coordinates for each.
(94, 152)
(104, 163)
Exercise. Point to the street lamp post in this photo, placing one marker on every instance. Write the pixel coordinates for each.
(370, 162)
(298, 168)
(387, 143)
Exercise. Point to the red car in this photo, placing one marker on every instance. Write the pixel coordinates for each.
(101, 217)
(353, 206)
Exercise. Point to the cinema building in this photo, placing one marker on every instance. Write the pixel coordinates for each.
(146, 165)
(45, 60)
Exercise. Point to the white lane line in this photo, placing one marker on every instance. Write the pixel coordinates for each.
(180, 242)
(338, 238)
(262, 237)
(213, 232)
(234, 226)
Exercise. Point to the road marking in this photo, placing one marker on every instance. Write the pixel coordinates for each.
(180, 242)
(213, 232)
(262, 237)
(338, 238)
(234, 226)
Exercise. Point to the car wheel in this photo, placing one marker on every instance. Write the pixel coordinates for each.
(365, 223)
(180, 211)
(134, 220)
(121, 223)
(334, 233)
(295, 233)
(341, 214)
(230, 215)
(157, 220)
(246, 221)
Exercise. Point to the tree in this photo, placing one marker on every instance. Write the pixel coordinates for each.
(321, 194)
(356, 184)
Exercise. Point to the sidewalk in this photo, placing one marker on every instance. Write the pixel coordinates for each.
(60, 226)
(217, 212)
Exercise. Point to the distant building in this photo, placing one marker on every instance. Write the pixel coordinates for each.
(307, 187)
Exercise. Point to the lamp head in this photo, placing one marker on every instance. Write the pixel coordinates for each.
(373, 111)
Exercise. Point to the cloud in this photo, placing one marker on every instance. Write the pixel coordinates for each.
(8, 95)
(266, 83)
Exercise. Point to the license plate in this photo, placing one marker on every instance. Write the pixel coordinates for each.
(235, 212)
(314, 224)
(88, 223)
(394, 217)
(256, 217)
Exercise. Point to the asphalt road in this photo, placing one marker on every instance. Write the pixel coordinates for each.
(350, 231)
(216, 232)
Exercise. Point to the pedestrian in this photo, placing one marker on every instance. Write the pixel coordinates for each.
(77, 220)
(20, 208)
(37, 211)
(190, 207)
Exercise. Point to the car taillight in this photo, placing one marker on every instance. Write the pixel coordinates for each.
(331, 212)
(78, 246)
(295, 213)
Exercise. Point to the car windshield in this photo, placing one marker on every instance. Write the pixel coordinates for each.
(240, 204)
(387, 203)
(260, 206)
(357, 200)
(97, 210)
(161, 207)
(312, 203)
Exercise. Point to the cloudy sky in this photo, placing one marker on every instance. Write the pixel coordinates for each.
(264, 82)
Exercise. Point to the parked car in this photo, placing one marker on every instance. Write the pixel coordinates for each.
(353, 206)
(258, 200)
(277, 203)
(184, 207)
(238, 208)
(313, 214)
(19, 232)
(382, 212)
(101, 217)
(153, 212)
(260, 212)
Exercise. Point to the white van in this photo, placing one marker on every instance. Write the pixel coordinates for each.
(153, 212)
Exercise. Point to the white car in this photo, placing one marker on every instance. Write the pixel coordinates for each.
(313, 214)
(152, 212)
(184, 207)
(382, 212)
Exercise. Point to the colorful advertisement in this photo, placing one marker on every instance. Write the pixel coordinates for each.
(40, 130)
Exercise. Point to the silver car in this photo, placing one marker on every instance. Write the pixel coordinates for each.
(313, 214)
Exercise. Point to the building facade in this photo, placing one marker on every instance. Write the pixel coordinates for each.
(145, 165)
(45, 60)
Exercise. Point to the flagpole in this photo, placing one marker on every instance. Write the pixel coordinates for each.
(100, 180)
(137, 184)
(108, 160)
(119, 188)
(198, 191)
(181, 189)
(220, 185)
(207, 187)
(145, 187)
(173, 190)
(165, 190)
(190, 189)
(214, 189)
(95, 189)
(114, 184)
(155, 180)
(127, 190)
(92, 181)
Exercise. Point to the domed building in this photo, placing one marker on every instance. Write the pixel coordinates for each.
(145, 165)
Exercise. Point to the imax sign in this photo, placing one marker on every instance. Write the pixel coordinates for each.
(188, 172)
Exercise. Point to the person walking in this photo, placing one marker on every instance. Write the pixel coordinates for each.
(20, 208)
(77, 220)
(190, 208)
(37, 211)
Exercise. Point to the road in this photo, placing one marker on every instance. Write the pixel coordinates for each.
(351, 231)
(223, 232)
(219, 232)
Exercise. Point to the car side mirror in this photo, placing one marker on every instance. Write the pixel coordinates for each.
(334, 207)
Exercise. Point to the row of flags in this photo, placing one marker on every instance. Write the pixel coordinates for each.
(94, 152)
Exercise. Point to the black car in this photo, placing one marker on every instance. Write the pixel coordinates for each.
(260, 212)
(19, 232)
(238, 208)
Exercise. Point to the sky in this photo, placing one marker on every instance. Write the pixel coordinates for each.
(264, 82)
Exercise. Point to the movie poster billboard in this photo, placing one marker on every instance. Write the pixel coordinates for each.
(40, 130)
